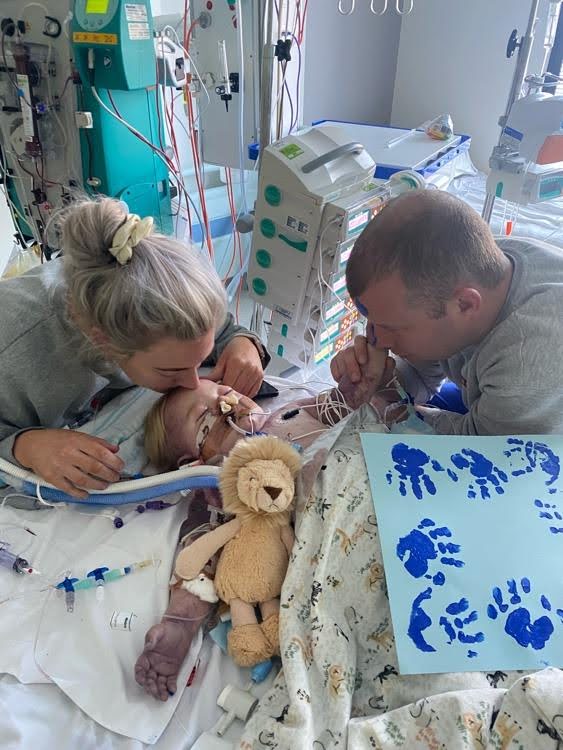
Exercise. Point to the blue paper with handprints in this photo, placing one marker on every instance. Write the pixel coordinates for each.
(472, 535)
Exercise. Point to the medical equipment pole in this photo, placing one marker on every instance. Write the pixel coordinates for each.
(524, 52)
(266, 78)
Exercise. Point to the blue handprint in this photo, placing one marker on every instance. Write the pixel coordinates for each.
(423, 544)
(420, 621)
(456, 629)
(484, 471)
(410, 464)
(534, 454)
(550, 513)
(519, 623)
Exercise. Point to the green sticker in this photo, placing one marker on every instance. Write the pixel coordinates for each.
(291, 151)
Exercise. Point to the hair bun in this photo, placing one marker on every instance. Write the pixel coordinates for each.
(88, 228)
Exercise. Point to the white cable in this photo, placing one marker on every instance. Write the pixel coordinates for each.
(32, 5)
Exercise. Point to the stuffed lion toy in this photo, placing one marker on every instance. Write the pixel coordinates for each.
(258, 487)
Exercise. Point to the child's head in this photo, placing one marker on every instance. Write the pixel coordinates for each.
(186, 425)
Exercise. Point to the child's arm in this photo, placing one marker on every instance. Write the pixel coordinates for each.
(191, 560)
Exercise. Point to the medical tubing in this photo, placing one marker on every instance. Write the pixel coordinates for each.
(121, 492)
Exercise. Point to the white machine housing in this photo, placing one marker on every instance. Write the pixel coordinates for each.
(527, 165)
(315, 196)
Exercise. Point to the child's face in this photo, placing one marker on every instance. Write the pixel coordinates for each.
(196, 426)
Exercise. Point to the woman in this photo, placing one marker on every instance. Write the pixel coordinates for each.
(124, 306)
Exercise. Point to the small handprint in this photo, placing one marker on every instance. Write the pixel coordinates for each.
(518, 624)
(425, 543)
(410, 465)
(532, 454)
(551, 513)
(485, 472)
(455, 629)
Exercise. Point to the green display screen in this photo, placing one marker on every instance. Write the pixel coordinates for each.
(97, 6)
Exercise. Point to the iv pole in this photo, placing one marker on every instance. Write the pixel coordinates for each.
(524, 53)
(267, 71)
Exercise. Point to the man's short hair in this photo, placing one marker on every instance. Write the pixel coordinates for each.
(434, 241)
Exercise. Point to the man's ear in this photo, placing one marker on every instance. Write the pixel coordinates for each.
(468, 301)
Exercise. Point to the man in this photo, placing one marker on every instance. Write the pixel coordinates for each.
(450, 302)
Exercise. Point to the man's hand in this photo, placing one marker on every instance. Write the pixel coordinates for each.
(349, 361)
(239, 367)
(71, 461)
(360, 371)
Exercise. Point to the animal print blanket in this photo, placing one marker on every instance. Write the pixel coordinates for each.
(340, 687)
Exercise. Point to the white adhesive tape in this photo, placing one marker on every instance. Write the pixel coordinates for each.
(122, 620)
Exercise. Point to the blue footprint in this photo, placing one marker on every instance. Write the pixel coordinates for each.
(519, 623)
(486, 474)
(550, 513)
(455, 629)
(425, 543)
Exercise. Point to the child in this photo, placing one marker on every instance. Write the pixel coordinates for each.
(201, 426)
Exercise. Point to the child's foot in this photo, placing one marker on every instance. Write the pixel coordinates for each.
(167, 644)
(374, 373)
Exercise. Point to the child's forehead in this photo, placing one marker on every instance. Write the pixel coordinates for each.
(184, 399)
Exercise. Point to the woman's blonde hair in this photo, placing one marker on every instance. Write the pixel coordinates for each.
(156, 447)
(166, 289)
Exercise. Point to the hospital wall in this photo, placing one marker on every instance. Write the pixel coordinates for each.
(452, 58)
(351, 63)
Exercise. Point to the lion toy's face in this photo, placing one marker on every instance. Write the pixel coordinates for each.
(266, 485)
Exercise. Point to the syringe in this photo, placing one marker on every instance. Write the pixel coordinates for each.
(15, 562)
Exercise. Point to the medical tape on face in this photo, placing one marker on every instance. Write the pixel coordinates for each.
(204, 429)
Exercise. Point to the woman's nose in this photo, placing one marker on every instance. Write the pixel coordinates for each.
(188, 380)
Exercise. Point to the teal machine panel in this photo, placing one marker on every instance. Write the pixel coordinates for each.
(114, 53)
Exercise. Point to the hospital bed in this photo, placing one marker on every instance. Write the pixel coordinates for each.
(47, 696)
(68, 677)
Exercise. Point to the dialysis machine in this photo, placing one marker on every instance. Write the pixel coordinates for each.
(315, 195)
(80, 111)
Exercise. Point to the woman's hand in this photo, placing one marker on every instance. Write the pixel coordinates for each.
(239, 367)
(71, 461)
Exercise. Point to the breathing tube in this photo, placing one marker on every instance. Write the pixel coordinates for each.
(120, 493)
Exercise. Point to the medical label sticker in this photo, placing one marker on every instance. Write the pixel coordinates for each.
(28, 126)
(86, 37)
(136, 12)
(139, 31)
(512, 137)
(122, 620)
(291, 151)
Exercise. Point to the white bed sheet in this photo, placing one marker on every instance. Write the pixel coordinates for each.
(35, 628)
